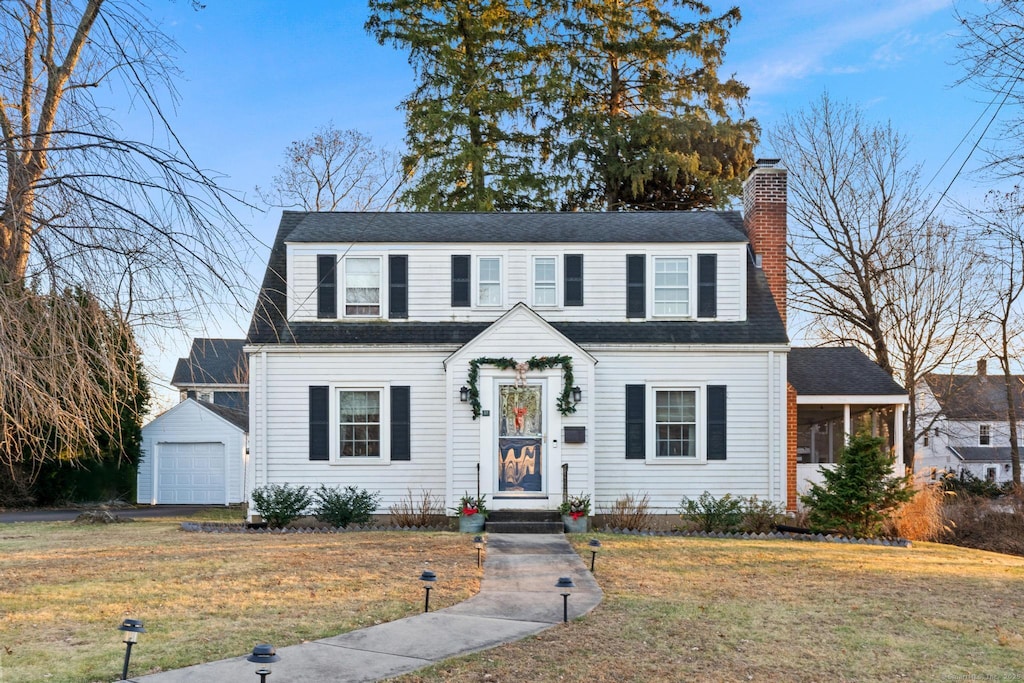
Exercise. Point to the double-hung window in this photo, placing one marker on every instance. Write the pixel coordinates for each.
(675, 423)
(984, 435)
(359, 423)
(362, 286)
(545, 282)
(672, 286)
(489, 281)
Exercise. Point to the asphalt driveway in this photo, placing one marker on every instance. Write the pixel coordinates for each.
(143, 512)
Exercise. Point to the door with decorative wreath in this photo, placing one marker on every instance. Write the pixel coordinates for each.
(520, 430)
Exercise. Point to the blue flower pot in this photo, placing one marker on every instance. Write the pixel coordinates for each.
(471, 524)
(575, 526)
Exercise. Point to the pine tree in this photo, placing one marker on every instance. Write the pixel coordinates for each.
(859, 493)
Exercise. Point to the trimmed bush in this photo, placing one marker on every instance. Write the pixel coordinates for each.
(760, 515)
(341, 507)
(712, 514)
(280, 504)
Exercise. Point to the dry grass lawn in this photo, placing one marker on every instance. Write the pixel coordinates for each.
(675, 608)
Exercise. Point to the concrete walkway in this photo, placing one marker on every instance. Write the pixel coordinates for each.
(517, 598)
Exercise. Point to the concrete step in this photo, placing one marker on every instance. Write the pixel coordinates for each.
(524, 522)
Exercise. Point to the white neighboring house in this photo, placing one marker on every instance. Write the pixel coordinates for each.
(655, 354)
(967, 427)
(194, 453)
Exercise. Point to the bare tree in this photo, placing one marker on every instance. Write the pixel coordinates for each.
(137, 223)
(993, 57)
(868, 267)
(1002, 230)
(335, 170)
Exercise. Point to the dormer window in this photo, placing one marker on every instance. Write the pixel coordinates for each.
(984, 435)
(672, 287)
(362, 286)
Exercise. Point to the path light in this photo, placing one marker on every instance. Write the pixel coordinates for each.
(464, 394)
(427, 577)
(478, 543)
(595, 545)
(263, 654)
(565, 582)
(131, 628)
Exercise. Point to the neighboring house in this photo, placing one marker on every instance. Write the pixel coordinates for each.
(522, 355)
(194, 453)
(964, 423)
(216, 371)
(839, 390)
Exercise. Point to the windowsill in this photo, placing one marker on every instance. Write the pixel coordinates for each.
(348, 462)
(669, 460)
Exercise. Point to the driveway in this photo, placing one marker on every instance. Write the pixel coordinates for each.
(143, 512)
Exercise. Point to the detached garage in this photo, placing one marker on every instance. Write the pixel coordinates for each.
(194, 454)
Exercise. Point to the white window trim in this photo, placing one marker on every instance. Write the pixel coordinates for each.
(651, 427)
(501, 282)
(691, 269)
(342, 290)
(384, 390)
(533, 281)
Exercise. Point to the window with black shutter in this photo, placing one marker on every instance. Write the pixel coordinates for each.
(707, 285)
(326, 286)
(636, 417)
(636, 295)
(573, 279)
(398, 286)
(401, 447)
(461, 283)
(319, 423)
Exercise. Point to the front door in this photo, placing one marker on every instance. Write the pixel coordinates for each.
(520, 439)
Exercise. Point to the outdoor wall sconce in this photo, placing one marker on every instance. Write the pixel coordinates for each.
(577, 395)
(478, 543)
(131, 628)
(263, 654)
(595, 545)
(464, 394)
(565, 583)
(427, 577)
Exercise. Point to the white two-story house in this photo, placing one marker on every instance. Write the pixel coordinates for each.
(522, 354)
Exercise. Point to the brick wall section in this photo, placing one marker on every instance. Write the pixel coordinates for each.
(790, 447)
(764, 215)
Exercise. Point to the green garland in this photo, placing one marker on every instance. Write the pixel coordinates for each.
(564, 404)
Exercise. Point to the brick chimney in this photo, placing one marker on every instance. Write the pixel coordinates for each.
(764, 216)
(982, 366)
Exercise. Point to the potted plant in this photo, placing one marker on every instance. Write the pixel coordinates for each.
(472, 512)
(575, 513)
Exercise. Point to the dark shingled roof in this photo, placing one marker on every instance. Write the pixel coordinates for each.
(212, 361)
(469, 227)
(982, 453)
(763, 324)
(838, 371)
(239, 418)
(975, 397)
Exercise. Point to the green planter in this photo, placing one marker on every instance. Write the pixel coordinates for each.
(471, 524)
(575, 526)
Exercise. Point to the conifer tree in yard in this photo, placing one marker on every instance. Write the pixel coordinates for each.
(859, 493)
(639, 116)
(469, 145)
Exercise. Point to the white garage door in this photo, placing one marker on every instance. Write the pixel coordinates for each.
(191, 473)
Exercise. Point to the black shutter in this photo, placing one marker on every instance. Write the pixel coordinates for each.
(460, 281)
(707, 285)
(401, 447)
(636, 296)
(574, 279)
(319, 423)
(636, 419)
(327, 286)
(716, 423)
(398, 286)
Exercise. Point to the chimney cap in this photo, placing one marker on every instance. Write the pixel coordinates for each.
(766, 163)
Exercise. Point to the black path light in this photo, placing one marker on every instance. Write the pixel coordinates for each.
(131, 628)
(565, 583)
(427, 577)
(478, 543)
(595, 545)
(263, 654)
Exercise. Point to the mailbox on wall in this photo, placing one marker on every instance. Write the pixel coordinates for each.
(575, 435)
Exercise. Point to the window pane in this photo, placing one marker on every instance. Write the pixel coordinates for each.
(362, 286)
(675, 417)
(544, 290)
(359, 423)
(671, 286)
(489, 291)
(490, 270)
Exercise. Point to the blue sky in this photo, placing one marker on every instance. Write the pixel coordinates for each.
(260, 73)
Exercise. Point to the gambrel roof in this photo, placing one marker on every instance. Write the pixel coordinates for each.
(270, 326)
(975, 397)
(212, 361)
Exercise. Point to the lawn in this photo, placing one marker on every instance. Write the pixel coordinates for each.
(674, 608)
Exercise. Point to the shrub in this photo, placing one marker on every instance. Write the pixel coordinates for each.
(416, 512)
(860, 493)
(630, 513)
(279, 504)
(712, 514)
(760, 515)
(923, 517)
(977, 522)
(341, 507)
(970, 485)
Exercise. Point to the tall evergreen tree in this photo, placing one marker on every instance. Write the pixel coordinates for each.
(639, 116)
(466, 129)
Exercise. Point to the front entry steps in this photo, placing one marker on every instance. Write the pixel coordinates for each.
(524, 522)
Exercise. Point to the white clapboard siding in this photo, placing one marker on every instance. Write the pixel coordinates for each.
(185, 424)
(604, 280)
